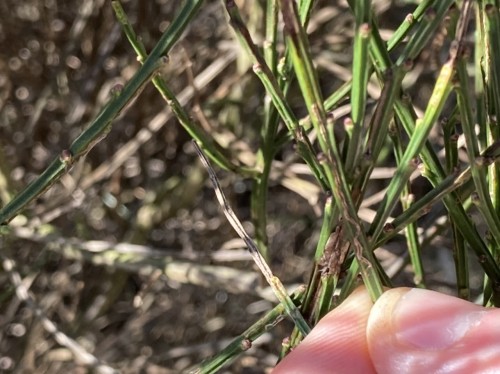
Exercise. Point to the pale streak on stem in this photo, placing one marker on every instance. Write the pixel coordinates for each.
(273, 281)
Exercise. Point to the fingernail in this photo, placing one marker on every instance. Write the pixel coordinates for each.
(432, 321)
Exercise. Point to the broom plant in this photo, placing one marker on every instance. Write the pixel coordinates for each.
(342, 153)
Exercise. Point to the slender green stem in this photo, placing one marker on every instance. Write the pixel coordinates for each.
(446, 186)
(410, 22)
(477, 163)
(360, 75)
(212, 148)
(378, 129)
(489, 15)
(309, 86)
(304, 147)
(431, 20)
(434, 108)
(267, 148)
(435, 173)
(269, 145)
(305, 8)
(461, 264)
(480, 48)
(412, 241)
(459, 248)
(244, 341)
(101, 125)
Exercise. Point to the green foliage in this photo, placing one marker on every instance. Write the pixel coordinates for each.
(414, 134)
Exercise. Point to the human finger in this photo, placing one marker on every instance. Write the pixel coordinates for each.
(422, 331)
(337, 344)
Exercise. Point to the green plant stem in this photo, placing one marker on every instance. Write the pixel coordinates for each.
(244, 341)
(101, 125)
(212, 148)
(478, 169)
(267, 148)
(379, 125)
(428, 25)
(304, 147)
(308, 82)
(360, 75)
(439, 95)
(407, 165)
(489, 16)
(412, 242)
(480, 47)
(459, 248)
(410, 21)
(330, 216)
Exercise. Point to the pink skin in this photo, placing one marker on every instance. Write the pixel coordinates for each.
(406, 331)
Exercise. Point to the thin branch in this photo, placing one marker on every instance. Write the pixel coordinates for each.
(273, 281)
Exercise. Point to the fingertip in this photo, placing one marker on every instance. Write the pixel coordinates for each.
(338, 342)
(415, 331)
